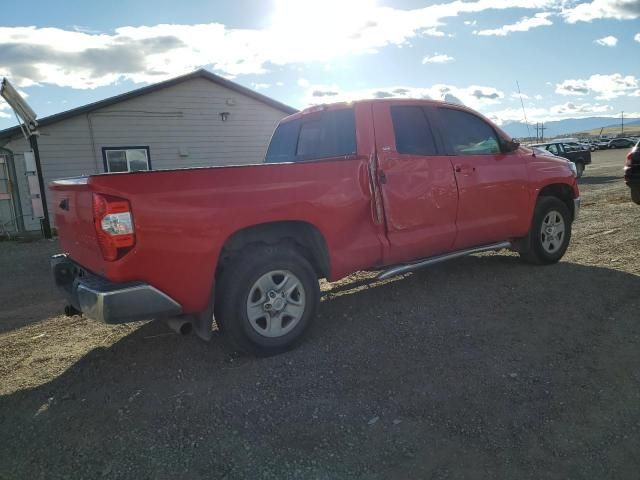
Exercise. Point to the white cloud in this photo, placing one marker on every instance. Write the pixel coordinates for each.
(538, 97)
(525, 24)
(609, 41)
(438, 58)
(86, 59)
(474, 96)
(470, 22)
(433, 32)
(260, 86)
(637, 37)
(4, 109)
(605, 87)
(555, 112)
(517, 95)
(303, 82)
(598, 9)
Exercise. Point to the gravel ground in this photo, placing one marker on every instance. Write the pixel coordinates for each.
(480, 368)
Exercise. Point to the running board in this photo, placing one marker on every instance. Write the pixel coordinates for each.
(409, 267)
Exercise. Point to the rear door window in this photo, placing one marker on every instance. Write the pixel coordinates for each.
(468, 134)
(412, 131)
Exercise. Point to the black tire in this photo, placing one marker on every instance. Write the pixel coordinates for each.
(239, 280)
(635, 194)
(579, 169)
(535, 252)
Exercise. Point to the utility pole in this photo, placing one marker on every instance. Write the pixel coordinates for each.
(30, 131)
(537, 127)
(542, 129)
(622, 122)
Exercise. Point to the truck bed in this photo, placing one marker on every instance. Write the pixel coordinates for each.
(183, 217)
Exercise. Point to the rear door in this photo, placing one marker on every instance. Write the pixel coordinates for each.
(492, 185)
(417, 182)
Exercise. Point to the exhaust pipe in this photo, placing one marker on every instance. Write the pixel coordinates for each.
(180, 326)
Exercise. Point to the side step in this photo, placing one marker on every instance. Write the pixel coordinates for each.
(409, 267)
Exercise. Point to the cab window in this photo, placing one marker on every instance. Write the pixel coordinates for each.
(468, 134)
(320, 135)
(328, 134)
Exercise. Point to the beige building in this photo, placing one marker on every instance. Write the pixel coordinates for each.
(195, 120)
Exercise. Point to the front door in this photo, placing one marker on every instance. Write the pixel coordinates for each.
(417, 181)
(492, 185)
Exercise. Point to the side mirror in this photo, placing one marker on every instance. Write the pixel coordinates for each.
(510, 145)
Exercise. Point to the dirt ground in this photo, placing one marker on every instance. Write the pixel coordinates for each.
(480, 368)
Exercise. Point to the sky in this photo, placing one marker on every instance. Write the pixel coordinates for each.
(570, 58)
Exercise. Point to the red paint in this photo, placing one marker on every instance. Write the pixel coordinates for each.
(375, 208)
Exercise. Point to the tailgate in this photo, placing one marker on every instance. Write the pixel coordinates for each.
(73, 217)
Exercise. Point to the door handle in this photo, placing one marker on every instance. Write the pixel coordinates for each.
(464, 169)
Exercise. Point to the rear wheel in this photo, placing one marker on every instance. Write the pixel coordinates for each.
(550, 232)
(579, 169)
(266, 298)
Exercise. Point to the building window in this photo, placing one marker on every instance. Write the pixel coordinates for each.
(126, 159)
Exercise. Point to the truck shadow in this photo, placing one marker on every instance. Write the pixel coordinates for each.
(483, 356)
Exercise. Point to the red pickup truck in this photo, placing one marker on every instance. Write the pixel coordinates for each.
(388, 185)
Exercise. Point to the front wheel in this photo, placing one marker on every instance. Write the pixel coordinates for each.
(266, 298)
(550, 232)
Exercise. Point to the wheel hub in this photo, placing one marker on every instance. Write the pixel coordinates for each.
(276, 303)
(552, 231)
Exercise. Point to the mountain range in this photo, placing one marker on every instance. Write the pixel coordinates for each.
(569, 126)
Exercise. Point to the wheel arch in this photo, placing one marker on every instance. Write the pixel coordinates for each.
(562, 191)
(305, 236)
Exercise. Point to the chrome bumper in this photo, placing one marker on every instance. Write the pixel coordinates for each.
(106, 301)
(576, 207)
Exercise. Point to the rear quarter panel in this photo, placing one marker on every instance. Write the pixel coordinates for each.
(183, 217)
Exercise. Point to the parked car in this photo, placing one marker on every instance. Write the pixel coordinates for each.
(579, 156)
(621, 143)
(632, 172)
(431, 182)
(544, 152)
(593, 144)
(575, 142)
(602, 144)
(580, 146)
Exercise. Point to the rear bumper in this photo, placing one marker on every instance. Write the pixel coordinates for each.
(106, 301)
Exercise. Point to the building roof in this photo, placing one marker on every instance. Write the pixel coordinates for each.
(200, 73)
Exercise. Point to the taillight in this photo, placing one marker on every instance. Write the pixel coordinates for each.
(114, 225)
